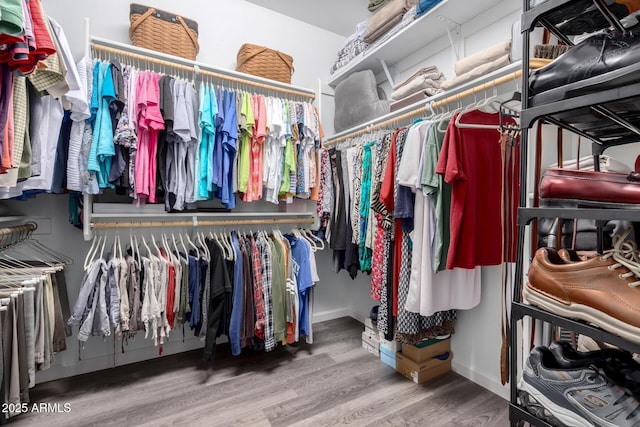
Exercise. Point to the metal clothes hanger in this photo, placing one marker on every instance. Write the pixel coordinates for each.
(155, 246)
(491, 103)
(184, 247)
(203, 245)
(315, 238)
(137, 259)
(192, 245)
(89, 258)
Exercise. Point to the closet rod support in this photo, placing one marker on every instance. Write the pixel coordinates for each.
(454, 32)
(387, 73)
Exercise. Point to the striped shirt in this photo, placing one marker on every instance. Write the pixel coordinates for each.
(258, 297)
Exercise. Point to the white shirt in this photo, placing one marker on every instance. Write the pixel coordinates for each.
(429, 291)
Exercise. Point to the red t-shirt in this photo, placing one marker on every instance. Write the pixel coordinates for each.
(470, 160)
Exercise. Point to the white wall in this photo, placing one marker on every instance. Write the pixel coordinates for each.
(224, 26)
(476, 343)
(488, 28)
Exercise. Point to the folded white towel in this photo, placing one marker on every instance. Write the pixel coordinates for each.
(430, 72)
(476, 72)
(607, 164)
(417, 84)
(486, 55)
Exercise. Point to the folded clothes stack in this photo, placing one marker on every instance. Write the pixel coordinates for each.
(424, 6)
(386, 18)
(586, 163)
(420, 85)
(353, 46)
(409, 16)
(374, 5)
(479, 64)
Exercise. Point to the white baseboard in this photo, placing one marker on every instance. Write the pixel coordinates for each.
(64, 369)
(323, 316)
(480, 379)
(358, 315)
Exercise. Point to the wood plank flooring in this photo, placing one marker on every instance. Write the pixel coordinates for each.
(331, 382)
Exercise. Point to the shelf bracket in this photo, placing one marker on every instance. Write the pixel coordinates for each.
(387, 73)
(454, 32)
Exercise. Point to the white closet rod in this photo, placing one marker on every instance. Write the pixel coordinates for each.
(142, 54)
(202, 223)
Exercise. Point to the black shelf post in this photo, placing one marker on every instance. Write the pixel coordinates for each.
(600, 104)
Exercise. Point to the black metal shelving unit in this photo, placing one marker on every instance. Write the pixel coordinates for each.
(607, 117)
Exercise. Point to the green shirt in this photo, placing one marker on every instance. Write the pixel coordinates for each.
(278, 290)
(434, 185)
(11, 17)
(246, 132)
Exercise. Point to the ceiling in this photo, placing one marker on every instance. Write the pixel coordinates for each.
(338, 16)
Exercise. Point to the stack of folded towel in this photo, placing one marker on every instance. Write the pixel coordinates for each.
(386, 18)
(390, 17)
(420, 85)
(479, 64)
(376, 4)
(353, 46)
(408, 18)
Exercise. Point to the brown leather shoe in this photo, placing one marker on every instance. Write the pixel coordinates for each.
(602, 290)
(567, 187)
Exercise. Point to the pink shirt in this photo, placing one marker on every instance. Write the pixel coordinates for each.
(259, 133)
(149, 123)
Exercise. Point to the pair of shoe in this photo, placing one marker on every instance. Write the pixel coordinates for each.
(603, 290)
(566, 387)
(604, 61)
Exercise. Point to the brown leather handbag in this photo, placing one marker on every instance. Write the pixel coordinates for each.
(590, 188)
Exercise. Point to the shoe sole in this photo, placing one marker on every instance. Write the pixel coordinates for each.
(608, 80)
(539, 405)
(582, 312)
(534, 407)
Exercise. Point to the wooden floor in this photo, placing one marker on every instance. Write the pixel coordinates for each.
(332, 382)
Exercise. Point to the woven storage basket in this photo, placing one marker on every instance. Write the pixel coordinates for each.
(264, 62)
(163, 31)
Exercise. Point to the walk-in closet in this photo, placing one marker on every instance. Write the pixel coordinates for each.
(285, 212)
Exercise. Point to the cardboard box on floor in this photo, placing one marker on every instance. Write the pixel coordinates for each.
(422, 372)
(426, 350)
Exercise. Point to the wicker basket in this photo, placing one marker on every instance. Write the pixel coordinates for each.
(162, 31)
(264, 62)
